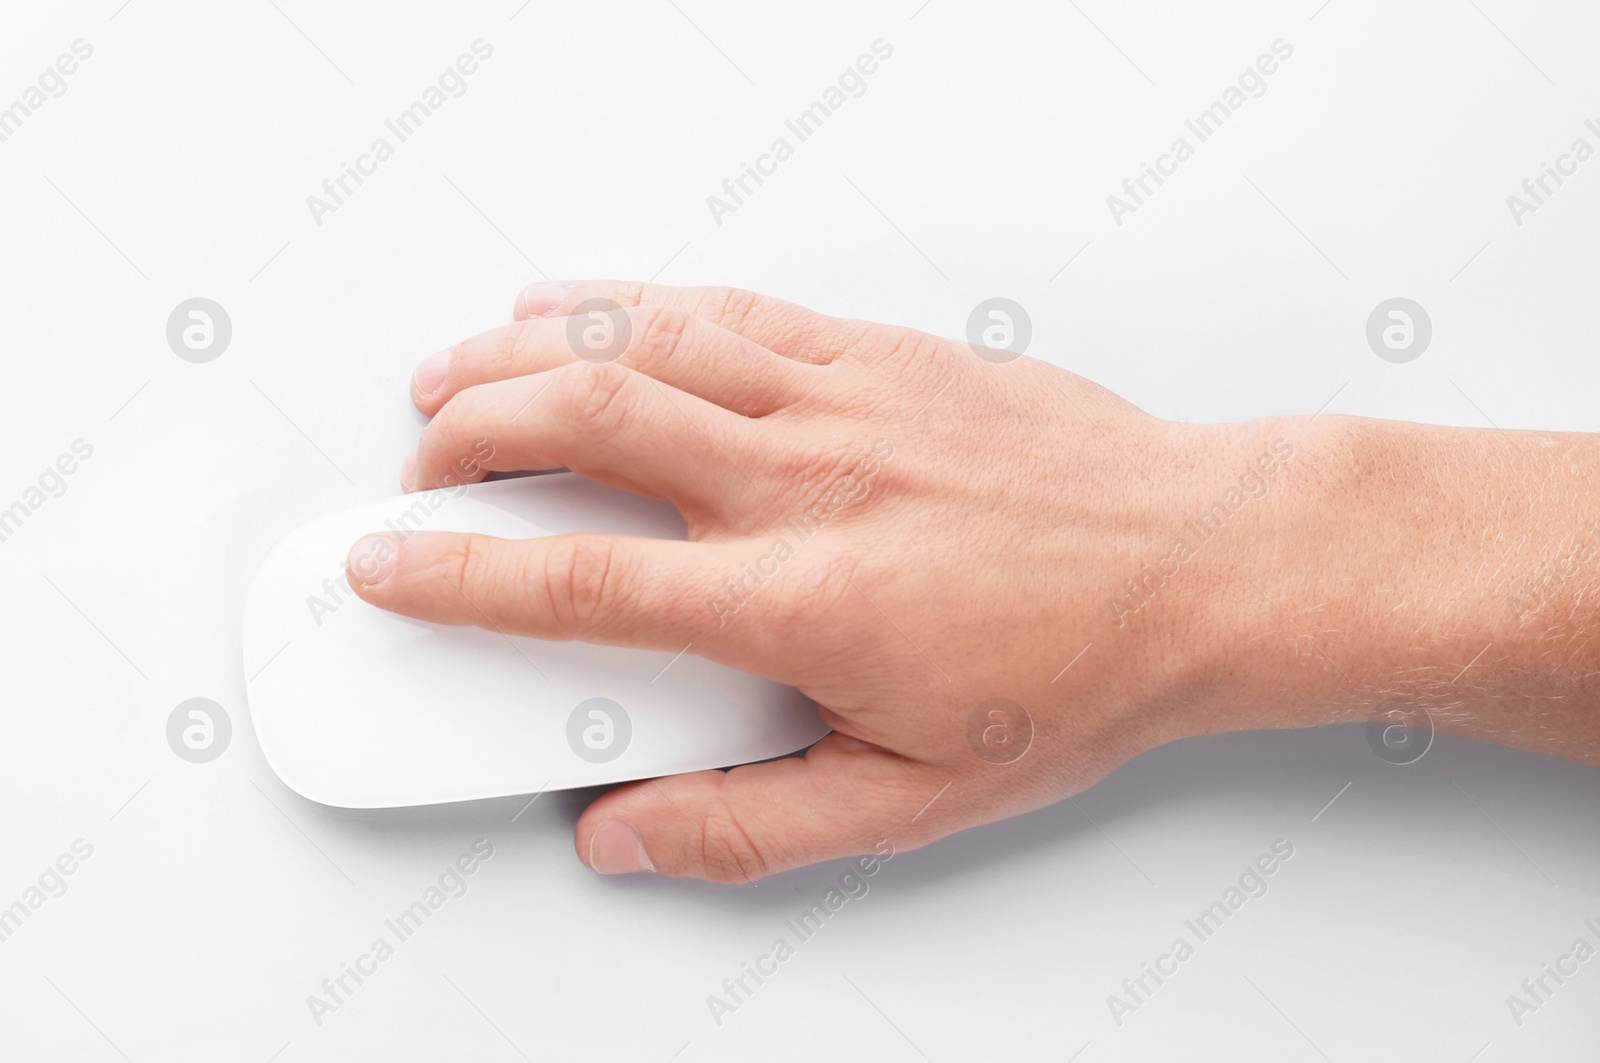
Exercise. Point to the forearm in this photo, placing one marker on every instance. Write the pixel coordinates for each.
(1452, 569)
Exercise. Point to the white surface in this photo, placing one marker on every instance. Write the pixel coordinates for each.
(361, 708)
(1377, 164)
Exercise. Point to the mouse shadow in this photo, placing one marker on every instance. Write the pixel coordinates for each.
(1204, 770)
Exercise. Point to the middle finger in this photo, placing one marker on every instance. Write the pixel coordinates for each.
(666, 344)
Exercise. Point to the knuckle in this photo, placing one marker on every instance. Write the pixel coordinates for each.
(458, 422)
(907, 346)
(847, 341)
(729, 307)
(818, 474)
(595, 397)
(628, 293)
(658, 337)
(728, 852)
(469, 564)
(581, 576)
(514, 349)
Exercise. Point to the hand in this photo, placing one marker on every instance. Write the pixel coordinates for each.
(997, 580)
(904, 531)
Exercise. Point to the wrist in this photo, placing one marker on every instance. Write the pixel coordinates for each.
(1391, 571)
(1223, 549)
(1290, 628)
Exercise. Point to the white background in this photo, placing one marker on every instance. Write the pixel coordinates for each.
(177, 164)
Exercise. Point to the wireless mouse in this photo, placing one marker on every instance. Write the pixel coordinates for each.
(361, 708)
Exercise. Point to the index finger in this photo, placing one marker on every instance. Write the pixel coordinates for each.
(654, 594)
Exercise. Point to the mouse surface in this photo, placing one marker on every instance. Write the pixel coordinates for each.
(361, 708)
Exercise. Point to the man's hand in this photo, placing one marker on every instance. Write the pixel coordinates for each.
(997, 581)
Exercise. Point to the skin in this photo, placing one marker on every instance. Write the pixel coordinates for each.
(989, 531)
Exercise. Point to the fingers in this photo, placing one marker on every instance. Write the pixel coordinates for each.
(594, 588)
(789, 330)
(665, 343)
(609, 423)
(844, 798)
(733, 603)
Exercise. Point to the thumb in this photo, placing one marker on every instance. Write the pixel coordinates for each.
(843, 798)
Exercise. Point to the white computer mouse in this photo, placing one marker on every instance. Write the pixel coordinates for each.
(361, 708)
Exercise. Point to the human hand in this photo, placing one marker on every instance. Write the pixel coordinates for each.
(901, 529)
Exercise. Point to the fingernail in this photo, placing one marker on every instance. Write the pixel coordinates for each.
(616, 850)
(408, 471)
(539, 300)
(430, 372)
(372, 559)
